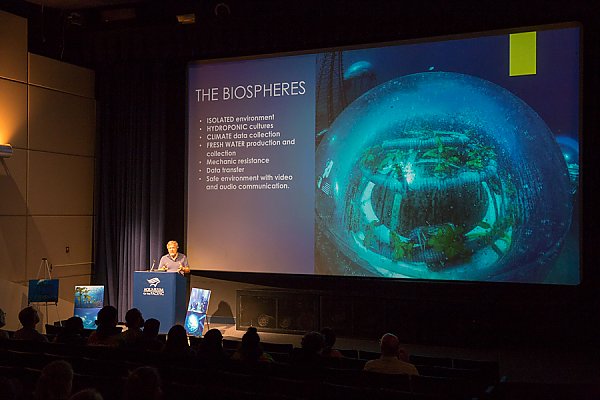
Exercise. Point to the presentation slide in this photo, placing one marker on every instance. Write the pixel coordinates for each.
(451, 158)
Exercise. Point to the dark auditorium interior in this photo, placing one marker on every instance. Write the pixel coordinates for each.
(94, 104)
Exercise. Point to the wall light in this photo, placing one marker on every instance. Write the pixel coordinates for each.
(6, 150)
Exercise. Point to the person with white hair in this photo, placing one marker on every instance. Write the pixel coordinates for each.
(173, 261)
(391, 361)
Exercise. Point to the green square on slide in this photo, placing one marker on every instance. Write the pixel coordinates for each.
(523, 54)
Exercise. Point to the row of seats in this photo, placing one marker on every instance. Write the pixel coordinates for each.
(427, 365)
(430, 366)
(282, 351)
(241, 386)
(95, 366)
(178, 381)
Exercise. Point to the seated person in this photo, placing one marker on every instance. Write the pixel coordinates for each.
(149, 339)
(143, 383)
(250, 349)
(328, 350)
(29, 318)
(310, 353)
(3, 333)
(211, 348)
(107, 333)
(72, 332)
(55, 381)
(177, 342)
(134, 321)
(390, 362)
(10, 388)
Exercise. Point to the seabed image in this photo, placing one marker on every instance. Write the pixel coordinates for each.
(441, 175)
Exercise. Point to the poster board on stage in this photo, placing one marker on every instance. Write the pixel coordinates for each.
(195, 316)
(43, 291)
(88, 301)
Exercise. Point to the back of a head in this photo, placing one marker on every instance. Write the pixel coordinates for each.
(250, 338)
(134, 319)
(143, 383)
(312, 342)
(213, 339)
(55, 381)
(389, 345)
(151, 327)
(177, 338)
(8, 388)
(74, 325)
(328, 336)
(28, 317)
(107, 317)
(250, 346)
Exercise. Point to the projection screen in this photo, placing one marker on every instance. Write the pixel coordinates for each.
(453, 158)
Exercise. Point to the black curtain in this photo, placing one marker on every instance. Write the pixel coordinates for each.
(140, 157)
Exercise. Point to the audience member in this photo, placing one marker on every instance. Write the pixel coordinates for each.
(55, 381)
(250, 349)
(134, 321)
(87, 394)
(177, 341)
(149, 339)
(143, 383)
(211, 350)
(107, 333)
(329, 337)
(310, 351)
(72, 332)
(390, 362)
(3, 333)
(29, 318)
(9, 388)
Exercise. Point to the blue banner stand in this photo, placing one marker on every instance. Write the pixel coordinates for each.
(160, 295)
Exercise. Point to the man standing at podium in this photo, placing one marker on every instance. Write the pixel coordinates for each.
(173, 261)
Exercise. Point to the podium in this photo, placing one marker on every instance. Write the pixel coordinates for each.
(160, 295)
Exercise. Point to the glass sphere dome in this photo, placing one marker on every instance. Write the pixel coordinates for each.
(440, 176)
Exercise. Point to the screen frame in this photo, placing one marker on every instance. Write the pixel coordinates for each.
(322, 282)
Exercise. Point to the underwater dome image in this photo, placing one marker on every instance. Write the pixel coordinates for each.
(440, 175)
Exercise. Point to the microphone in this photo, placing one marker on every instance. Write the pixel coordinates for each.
(153, 263)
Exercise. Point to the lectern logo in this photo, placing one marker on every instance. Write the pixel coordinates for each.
(153, 282)
(153, 290)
